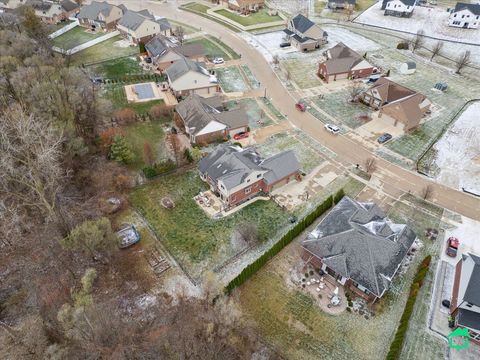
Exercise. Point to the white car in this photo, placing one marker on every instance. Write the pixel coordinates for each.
(332, 128)
(218, 61)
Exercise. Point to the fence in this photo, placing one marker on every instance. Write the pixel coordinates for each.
(87, 44)
(63, 30)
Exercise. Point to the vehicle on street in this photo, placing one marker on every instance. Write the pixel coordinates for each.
(218, 60)
(240, 135)
(127, 236)
(384, 138)
(334, 129)
(452, 246)
(284, 44)
(300, 106)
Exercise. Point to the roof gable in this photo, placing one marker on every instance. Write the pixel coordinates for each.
(133, 20)
(183, 66)
(302, 23)
(473, 8)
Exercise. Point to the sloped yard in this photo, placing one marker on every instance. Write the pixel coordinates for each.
(74, 37)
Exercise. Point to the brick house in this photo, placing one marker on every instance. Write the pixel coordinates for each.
(304, 34)
(400, 103)
(51, 12)
(344, 63)
(236, 175)
(164, 54)
(244, 6)
(186, 77)
(100, 16)
(204, 119)
(465, 304)
(138, 26)
(358, 247)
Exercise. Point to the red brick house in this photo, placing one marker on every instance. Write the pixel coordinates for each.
(465, 304)
(344, 63)
(358, 247)
(236, 175)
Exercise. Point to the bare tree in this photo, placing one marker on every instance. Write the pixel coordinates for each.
(418, 40)
(180, 34)
(288, 75)
(462, 61)
(427, 192)
(437, 48)
(248, 232)
(370, 165)
(276, 60)
(354, 91)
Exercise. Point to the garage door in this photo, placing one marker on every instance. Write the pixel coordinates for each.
(342, 76)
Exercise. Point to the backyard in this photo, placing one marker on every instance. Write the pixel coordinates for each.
(256, 116)
(198, 242)
(259, 17)
(74, 37)
(214, 47)
(116, 94)
(231, 79)
(116, 68)
(108, 49)
(291, 322)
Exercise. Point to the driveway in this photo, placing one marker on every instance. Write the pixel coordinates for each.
(467, 233)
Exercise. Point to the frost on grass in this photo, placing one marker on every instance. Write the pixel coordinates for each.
(231, 80)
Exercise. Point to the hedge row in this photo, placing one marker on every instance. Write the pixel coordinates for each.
(252, 268)
(158, 169)
(397, 343)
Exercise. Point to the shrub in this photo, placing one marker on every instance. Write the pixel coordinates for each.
(158, 169)
(90, 236)
(403, 45)
(188, 155)
(160, 112)
(141, 47)
(120, 150)
(125, 116)
(236, 143)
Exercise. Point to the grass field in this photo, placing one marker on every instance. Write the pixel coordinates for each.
(215, 48)
(253, 111)
(197, 7)
(187, 28)
(231, 80)
(118, 67)
(259, 17)
(74, 37)
(51, 28)
(145, 132)
(196, 240)
(107, 49)
(116, 94)
(302, 72)
(291, 322)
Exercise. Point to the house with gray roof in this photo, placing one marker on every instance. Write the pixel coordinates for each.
(100, 16)
(187, 77)
(164, 53)
(465, 304)
(399, 8)
(236, 175)
(341, 62)
(205, 120)
(358, 247)
(341, 4)
(138, 26)
(465, 16)
(53, 12)
(304, 34)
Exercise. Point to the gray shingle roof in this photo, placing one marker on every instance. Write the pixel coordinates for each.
(358, 242)
(156, 46)
(164, 24)
(133, 19)
(183, 66)
(233, 164)
(469, 319)
(302, 23)
(474, 8)
(92, 10)
(341, 59)
(472, 293)
(68, 5)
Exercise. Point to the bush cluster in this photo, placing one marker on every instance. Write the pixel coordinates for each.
(252, 268)
(158, 169)
(397, 343)
(403, 45)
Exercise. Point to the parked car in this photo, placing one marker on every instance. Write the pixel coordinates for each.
(240, 135)
(127, 236)
(284, 44)
(334, 129)
(384, 138)
(452, 246)
(300, 106)
(218, 60)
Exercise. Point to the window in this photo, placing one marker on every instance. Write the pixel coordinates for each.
(455, 15)
(248, 190)
(469, 305)
(248, 180)
(463, 16)
(258, 176)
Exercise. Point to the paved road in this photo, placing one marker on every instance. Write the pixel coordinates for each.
(389, 177)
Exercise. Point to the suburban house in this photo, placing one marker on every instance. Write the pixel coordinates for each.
(100, 16)
(358, 247)
(400, 103)
(401, 8)
(304, 34)
(164, 54)
(236, 175)
(10, 5)
(52, 13)
(465, 304)
(187, 77)
(165, 26)
(465, 16)
(244, 6)
(204, 119)
(138, 26)
(341, 4)
(344, 63)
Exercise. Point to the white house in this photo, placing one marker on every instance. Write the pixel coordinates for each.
(400, 8)
(138, 26)
(465, 16)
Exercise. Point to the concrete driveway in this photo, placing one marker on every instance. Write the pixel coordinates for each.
(468, 233)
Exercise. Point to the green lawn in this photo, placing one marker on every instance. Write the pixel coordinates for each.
(107, 49)
(186, 28)
(259, 17)
(77, 36)
(196, 240)
(215, 48)
(197, 7)
(54, 27)
(117, 67)
(116, 94)
(141, 132)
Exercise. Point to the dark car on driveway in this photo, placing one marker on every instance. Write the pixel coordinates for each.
(384, 138)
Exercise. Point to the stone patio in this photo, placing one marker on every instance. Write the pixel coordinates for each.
(322, 288)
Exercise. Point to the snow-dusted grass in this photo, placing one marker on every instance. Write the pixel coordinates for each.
(231, 80)
(458, 152)
(253, 111)
(432, 20)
